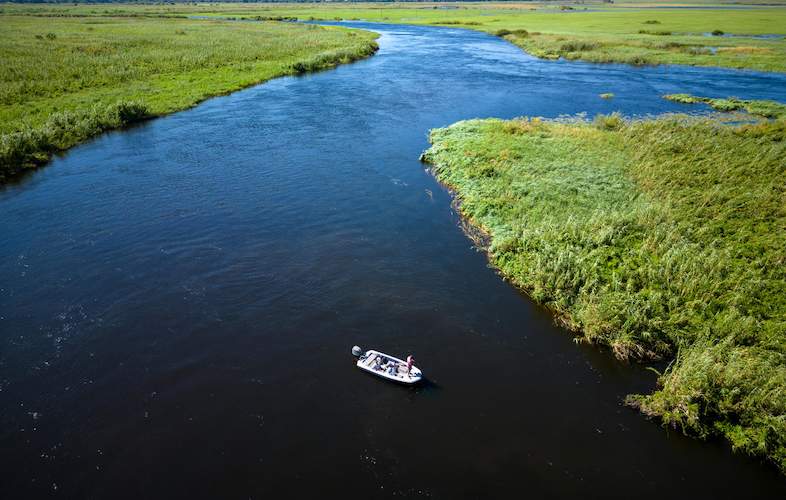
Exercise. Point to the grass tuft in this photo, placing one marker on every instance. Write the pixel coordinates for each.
(613, 121)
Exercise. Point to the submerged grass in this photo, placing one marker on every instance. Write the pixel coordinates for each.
(65, 79)
(658, 238)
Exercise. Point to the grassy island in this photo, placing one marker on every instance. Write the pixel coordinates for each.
(660, 238)
(65, 79)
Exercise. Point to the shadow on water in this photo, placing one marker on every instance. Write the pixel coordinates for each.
(176, 301)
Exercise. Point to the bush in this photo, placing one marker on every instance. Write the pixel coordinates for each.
(717, 33)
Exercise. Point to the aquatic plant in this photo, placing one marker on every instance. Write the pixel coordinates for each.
(763, 108)
(660, 238)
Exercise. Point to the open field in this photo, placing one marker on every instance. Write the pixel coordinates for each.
(62, 78)
(659, 238)
(752, 37)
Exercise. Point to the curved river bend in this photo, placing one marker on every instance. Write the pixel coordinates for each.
(178, 302)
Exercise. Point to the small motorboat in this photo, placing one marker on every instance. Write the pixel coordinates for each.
(386, 366)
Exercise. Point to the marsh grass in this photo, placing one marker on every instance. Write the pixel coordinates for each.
(77, 76)
(660, 238)
(536, 28)
(33, 146)
(763, 108)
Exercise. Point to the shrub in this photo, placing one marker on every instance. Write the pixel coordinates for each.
(50, 36)
(651, 21)
(717, 33)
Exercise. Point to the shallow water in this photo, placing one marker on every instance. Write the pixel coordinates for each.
(178, 302)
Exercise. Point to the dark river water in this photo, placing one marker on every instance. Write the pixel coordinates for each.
(178, 302)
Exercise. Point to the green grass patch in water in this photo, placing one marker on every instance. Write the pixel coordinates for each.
(763, 108)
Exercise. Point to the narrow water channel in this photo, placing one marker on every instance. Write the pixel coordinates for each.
(178, 302)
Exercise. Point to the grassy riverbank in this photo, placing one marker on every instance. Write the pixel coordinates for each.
(658, 238)
(631, 32)
(65, 79)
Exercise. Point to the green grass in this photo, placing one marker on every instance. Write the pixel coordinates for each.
(765, 109)
(630, 32)
(660, 238)
(62, 79)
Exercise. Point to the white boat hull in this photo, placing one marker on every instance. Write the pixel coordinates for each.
(367, 362)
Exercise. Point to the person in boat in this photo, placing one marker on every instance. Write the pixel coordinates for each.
(378, 362)
(410, 362)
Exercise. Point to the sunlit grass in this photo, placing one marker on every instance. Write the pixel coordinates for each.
(659, 238)
(86, 66)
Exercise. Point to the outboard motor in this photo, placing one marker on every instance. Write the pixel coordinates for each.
(357, 351)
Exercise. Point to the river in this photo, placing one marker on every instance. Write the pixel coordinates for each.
(178, 302)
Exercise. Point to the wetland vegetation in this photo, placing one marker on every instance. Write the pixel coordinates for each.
(751, 37)
(660, 238)
(765, 109)
(66, 79)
